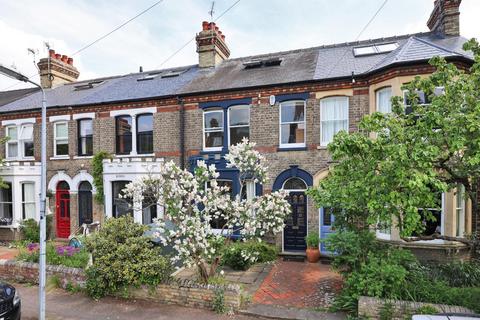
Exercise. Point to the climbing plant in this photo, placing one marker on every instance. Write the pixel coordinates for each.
(97, 170)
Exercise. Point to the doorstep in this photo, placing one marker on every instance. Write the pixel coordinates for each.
(289, 313)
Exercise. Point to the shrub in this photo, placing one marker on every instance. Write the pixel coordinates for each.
(312, 240)
(30, 230)
(242, 255)
(456, 274)
(97, 172)
(123, 257)
(218, 303)
(60, 255)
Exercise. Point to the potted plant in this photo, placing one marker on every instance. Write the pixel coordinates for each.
(312, 240)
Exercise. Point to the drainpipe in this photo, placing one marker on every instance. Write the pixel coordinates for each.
(181, 103)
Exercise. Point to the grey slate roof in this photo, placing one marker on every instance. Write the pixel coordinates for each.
(311, 64)
(12, 95)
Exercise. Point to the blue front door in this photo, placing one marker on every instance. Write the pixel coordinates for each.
(326, 220)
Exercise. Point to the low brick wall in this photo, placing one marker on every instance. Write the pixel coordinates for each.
(189, 293)
(11, 270)
(371, 308)
(181, 292)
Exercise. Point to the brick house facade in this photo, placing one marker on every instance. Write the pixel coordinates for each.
(178, 99)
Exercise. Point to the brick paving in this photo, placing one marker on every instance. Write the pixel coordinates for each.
(299, 284)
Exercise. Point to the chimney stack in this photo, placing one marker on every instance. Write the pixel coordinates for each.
(211, 46)
(56, 69)
(445, 17)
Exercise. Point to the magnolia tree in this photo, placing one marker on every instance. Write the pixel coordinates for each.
(192, 200)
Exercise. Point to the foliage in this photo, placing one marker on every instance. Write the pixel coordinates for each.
(455, 274)
(193, 200)
(386, 311)
(312, 240)
(408, 157)
(374, 269)
(30, 230)
(218, 303)
(56, 255)
(242, 255)
(97, 173)
(123, 257)
(427, 309)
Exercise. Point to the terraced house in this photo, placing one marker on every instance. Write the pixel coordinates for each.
(290, 104)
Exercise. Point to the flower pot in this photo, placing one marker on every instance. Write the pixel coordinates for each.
(313, 255)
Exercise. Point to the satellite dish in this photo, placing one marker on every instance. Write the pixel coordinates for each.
(272, 100)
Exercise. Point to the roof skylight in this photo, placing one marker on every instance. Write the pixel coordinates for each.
(88, 85)
(253, 64)
(375, 49)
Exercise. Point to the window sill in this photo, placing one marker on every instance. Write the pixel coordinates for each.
(11, 226)
(281, 149)
(60, 158)
(20, 159)
(82, 157)
(322, 147)
(143, 155)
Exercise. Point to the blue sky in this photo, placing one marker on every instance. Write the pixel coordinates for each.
(251, 27)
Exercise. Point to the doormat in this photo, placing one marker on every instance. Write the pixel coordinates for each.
(294, 258)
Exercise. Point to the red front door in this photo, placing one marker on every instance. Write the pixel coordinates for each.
(62, 211)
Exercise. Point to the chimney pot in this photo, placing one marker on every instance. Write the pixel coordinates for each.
(64, 58)
(70, 61)
(58, 56)
(205, 25)
(51, 53)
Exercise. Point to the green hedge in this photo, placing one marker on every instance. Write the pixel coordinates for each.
(232, 255)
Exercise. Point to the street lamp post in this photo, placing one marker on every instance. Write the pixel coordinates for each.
(43, 188)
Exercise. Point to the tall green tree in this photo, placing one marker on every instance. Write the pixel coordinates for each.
(399, 162)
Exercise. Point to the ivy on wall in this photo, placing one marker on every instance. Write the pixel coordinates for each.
(97, 170)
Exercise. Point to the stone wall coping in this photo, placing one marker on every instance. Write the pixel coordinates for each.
(371, 306)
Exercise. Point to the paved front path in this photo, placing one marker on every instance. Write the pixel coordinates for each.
(299, 284)
(62, 305)
(8, 253)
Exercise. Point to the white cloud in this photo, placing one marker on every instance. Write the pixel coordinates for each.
(251, 27)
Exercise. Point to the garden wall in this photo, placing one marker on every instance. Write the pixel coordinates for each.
(372, 308)
(11, 270)
(181, 292)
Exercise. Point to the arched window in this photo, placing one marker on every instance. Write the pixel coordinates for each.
(85, 211)
(294, 184)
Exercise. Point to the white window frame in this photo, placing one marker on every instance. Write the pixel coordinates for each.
(23, 202)
(55, 139)
(377, 98)
(12, 141)
(322, 143)
(460, 211)
(216, 110)
(11, 183)
(280, 123)
(236, 126)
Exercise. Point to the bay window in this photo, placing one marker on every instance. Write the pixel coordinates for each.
(292, 124)
(123, 129)
(333, 118)
(28, 200)
(6, 204)
(145, 133)
(238, 123)
(85, 137)
(460, 210)
(60, 137)
(384, 103)
(120, 205)
(213, 130)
